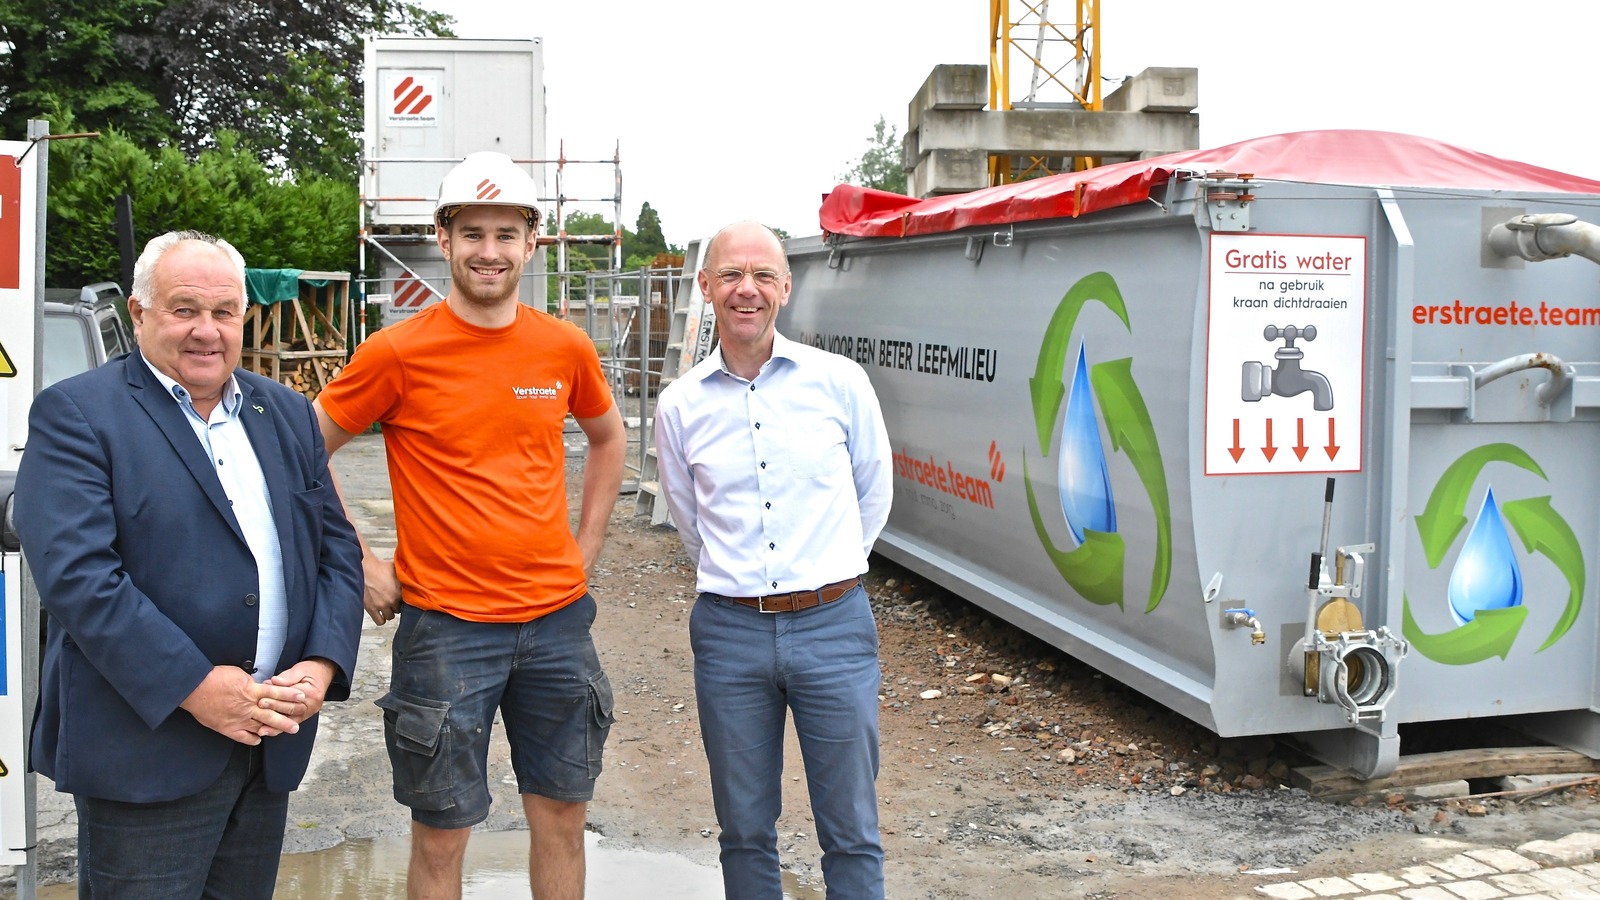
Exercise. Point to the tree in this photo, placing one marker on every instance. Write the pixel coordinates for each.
(299, 91)
(276, 221)
(64, 60)
(283, 75)
(647, 239)
(881, 166)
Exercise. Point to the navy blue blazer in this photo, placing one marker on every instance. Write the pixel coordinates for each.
(148, 582)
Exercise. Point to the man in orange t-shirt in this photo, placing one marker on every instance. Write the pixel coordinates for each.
(488, 581)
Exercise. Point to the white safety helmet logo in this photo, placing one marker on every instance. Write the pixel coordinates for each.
(487, 179)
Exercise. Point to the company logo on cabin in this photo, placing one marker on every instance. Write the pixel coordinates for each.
(1485, 594)
(1080, 396)
(410, 99)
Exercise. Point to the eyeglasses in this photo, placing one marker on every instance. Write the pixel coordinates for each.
(763, 277)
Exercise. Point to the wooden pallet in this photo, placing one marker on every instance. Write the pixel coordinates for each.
(1329, 783)
(301, 343)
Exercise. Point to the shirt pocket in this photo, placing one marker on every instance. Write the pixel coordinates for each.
(817, 450)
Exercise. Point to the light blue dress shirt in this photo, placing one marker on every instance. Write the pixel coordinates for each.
(234, 460)
(777, 484)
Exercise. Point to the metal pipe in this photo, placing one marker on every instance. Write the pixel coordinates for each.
(1560, 373)
(1546, 236)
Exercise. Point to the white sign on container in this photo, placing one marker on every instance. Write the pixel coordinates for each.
(1285, 351)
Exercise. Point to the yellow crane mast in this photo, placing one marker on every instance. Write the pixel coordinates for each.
(1062, 63)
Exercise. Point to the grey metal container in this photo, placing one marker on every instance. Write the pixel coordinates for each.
(1286, 455)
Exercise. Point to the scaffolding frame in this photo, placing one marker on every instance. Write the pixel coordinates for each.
(561, 240)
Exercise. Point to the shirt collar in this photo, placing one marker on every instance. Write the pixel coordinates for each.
(232, 397)
(782, 348)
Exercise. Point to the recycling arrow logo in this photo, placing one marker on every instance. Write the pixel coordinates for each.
(1489, 626)
(1095, 566)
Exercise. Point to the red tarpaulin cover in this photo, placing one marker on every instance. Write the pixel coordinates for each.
(1376, 158)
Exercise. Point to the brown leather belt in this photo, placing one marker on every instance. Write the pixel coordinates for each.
(794, 601)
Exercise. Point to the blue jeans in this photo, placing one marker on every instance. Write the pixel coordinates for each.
(223, 842)
(822, 665)
(450, 675)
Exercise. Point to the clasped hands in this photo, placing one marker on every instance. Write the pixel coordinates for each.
(232, 704)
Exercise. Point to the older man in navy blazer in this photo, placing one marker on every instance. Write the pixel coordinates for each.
(202, 585)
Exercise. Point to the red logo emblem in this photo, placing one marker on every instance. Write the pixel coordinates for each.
(409, 293)
(488, 190)
(409, 98)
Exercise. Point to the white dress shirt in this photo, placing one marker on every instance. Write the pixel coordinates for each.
(777, 484)
(234, 460)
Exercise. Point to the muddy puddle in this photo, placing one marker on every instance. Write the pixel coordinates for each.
(496, 868)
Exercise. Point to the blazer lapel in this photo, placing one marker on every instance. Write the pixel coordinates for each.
(168, 416)
(260, 423)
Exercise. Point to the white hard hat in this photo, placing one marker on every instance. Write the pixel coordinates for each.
(486, 178)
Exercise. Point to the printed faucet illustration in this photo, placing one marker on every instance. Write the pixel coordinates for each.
(1288, 379)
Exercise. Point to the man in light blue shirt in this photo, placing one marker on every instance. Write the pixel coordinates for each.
(776, 466)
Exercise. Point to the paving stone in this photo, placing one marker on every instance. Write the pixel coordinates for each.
(1423, 875)
(1463, 866)
(1503, 860)
(1287, 890)
(1575, 893)
(1563, 878)
(1474, 890)
(1330, 887)
(1430, 892)
(1556, 853)
(1377, 881)
(1519, 884)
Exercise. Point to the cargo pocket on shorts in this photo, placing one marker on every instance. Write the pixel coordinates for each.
(601, 717)
(419, 750)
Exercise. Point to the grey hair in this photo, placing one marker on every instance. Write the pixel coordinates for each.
(144, 271)
(705, 256)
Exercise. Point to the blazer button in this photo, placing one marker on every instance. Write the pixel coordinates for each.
(248, 665)
(249, 599)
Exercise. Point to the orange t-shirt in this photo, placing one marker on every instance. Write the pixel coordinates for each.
(472, 420)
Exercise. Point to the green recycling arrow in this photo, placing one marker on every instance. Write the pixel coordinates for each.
(1045, 386)
(1132, 432)
(1490, 633)
(1094, 569)
(1543, 531)
(1444, 516)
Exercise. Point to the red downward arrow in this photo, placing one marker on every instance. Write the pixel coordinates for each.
(1332, 448)
(1236, 450)
(1269, 450)
(1300, 447)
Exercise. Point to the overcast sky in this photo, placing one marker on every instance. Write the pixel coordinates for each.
(730, 109)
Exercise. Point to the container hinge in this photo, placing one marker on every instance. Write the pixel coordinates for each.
(1228, 199)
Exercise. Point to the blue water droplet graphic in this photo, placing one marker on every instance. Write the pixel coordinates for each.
(1486, 574)
(1084, 483)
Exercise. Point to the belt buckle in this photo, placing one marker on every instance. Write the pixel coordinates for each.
(761, 606)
